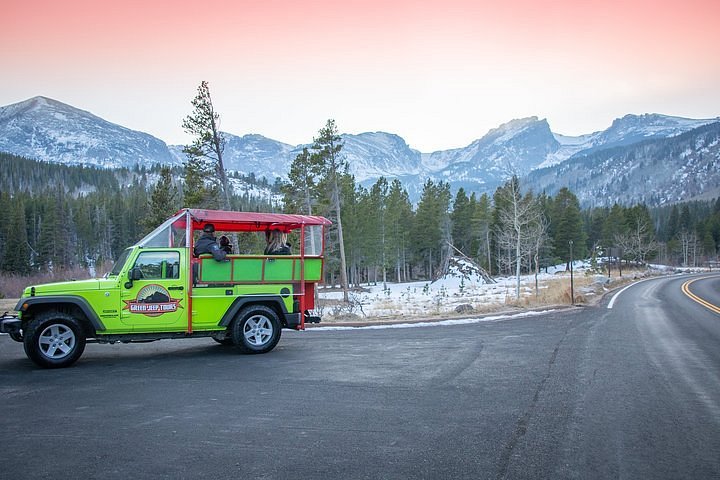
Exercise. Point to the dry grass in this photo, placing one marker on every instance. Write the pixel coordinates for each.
(12, 286)
(7, 304)
(553, 292)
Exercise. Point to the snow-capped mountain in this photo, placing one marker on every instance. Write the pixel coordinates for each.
(250, 153)
(45, 129)
(515, 147)
(372, 155)
(48, 130)
(624, 131)
(656, 171)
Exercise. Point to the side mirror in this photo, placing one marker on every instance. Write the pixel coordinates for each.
(134, 274)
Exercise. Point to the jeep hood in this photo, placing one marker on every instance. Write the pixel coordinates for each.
(70, 287)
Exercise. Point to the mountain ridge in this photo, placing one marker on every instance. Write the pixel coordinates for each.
(49, 130)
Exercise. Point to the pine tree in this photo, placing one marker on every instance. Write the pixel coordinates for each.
(399, 220)
(198, 191)
(462, 225)
(614, 226)
(300, 191)
(431, 226)
(17, 252)
(567, 225)
(205, 154)
(163, 200)
(376, 218)
(482, 223)
(5, 206)
(332, 165)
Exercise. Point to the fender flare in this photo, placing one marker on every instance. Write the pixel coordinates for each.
(241, 302)
(25, 303)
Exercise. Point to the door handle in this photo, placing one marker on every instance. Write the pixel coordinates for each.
(177, 287)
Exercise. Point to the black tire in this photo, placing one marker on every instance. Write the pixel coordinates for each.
(17, 336)
(256, 329)
(54, 339)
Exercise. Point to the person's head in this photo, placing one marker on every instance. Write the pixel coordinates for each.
(277, 238)
(224, 241)
(209, 228)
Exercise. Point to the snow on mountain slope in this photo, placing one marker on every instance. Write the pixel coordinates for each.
(659, 171)
(49, 130)
(251, 153)
(44, 129)
(636, 128)
(376, 154)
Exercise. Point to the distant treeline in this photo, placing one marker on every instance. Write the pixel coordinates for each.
(58, 217)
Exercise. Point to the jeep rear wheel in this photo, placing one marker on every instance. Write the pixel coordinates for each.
(54, 339)
(256, 329)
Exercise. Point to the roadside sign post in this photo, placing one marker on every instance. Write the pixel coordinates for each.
(572, 289)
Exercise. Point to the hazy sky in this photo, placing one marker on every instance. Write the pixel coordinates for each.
(439, 73)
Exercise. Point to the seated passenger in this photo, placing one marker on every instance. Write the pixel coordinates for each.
(277, 243)
(225, 244)
(207, 243)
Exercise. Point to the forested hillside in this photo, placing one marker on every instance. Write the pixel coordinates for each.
(60, 219)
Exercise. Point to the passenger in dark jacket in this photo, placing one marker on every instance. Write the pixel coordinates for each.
(207, 243)
(277, 244)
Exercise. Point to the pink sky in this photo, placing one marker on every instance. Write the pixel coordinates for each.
(438, 73)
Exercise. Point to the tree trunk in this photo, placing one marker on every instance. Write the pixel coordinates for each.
(343, 263)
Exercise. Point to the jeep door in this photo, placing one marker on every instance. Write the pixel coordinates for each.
(154, 295)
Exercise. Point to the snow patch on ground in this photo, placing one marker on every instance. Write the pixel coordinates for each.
(460, 321)
(461, 290)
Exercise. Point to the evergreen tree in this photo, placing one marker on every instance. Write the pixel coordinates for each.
(376, 219)
(462, 224)
(398, 221)
(332, 166)
(614, 226)
(300, 191)
(431, 225)
(6, 205)
(566, 225)
(163, 201)
(17, 252)
(205, 154)
(482, 223)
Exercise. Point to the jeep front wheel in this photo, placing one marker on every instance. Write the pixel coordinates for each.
(54, 340)
(256, 329)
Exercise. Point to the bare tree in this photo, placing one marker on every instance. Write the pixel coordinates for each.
(688, 244)
(518, 217)
(638, 242)
(539, 234)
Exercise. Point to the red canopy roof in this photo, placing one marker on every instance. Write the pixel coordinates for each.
(247, 221)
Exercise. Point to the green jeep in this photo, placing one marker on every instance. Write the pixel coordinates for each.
(159, 290)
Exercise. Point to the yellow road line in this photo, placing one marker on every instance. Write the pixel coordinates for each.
(704, 303)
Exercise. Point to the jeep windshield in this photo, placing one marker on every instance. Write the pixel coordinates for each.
(119, 264)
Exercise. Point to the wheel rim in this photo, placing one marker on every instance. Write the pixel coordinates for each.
(57, 341)
(258, 330)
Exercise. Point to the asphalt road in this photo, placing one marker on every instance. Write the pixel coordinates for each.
(628, 392)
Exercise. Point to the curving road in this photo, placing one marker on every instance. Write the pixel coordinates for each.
(631, 391)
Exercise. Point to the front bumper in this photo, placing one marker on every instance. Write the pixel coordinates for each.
(10, 324)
